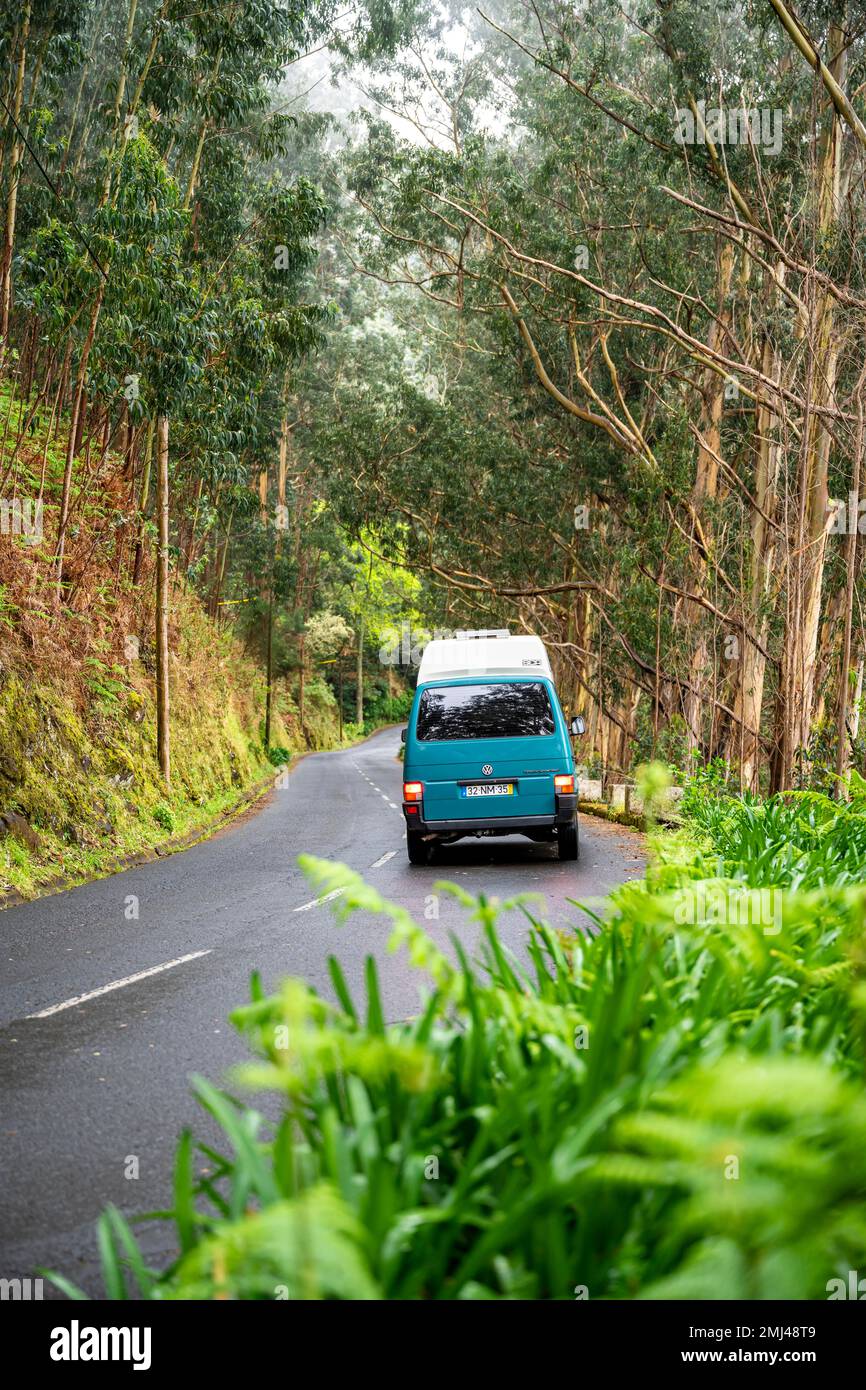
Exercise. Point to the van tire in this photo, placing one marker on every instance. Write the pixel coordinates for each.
(416, 848)
(567, 841)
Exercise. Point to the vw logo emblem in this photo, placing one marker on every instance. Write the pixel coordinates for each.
(487, 769)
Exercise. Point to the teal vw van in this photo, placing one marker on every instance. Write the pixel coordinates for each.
(488, 751)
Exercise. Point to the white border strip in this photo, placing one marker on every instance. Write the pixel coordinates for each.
(116, 984)
(305, 907)
(384, 860)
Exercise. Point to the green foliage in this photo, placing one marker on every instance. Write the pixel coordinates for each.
(670, 1108)
(652, 781)
(795, 839)
(279, 756)
(8, 609)
(81, 761)
(387, 709)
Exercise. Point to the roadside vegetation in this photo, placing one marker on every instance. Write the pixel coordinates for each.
(670, 1107)
(81, 786)
(179, 608)
(427, 316)
(550, 317)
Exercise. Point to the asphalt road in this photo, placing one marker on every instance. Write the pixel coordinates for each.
(86, 1086)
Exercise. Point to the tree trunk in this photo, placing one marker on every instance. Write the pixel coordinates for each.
(120, 92)
(302, 658)
(705, 489)
(14, 175)
(340, 695)
(807, 568)
(162, 688)
(269, 674)
(744, 744)
(858, 693)
(842, 744)
(360, 691)
(142, 505)
(77, 399)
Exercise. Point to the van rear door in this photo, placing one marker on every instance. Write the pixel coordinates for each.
(486, 749)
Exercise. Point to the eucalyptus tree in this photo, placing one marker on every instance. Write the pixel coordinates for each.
(162, 261)
(685, 287)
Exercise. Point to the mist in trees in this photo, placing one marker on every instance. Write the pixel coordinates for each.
(542, 315)
(636, 232)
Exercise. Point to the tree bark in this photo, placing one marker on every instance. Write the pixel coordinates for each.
(162, 677)
(842, 745)
(705, 489)
(71, 443)
(748, 696)
(807, 568)
(14, 175)
(142, 505)
(360, 690)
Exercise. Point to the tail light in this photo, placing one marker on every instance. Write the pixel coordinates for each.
(564, 782)
(413, 791)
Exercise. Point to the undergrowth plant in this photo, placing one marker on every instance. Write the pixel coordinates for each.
(671, 1106)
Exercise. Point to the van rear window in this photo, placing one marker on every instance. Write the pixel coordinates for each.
(515, 709)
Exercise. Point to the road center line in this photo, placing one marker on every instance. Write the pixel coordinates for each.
(117, 984)
(305, 907)
(384, 860)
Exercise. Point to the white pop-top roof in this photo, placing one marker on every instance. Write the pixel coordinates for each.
(483, 654)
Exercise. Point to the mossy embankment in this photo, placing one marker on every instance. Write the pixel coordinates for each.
(80, 787)
(79, 781)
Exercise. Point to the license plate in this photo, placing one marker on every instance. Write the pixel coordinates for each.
(489, 789)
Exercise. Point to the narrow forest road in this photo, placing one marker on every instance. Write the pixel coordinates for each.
(87, 1087)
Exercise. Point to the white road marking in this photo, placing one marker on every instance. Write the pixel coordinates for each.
(305, 907)
(393, 805)
(117, 984)
(384, 860)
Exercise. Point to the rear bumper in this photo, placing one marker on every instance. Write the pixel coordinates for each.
(566, 807)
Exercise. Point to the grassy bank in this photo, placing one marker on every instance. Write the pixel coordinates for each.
(79, 782)
(80, 788)
(79, 779)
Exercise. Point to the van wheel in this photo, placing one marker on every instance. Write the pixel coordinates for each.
(416, 847)
(567, 839)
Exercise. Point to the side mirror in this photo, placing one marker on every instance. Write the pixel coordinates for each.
(402, 735)
(578, 724)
